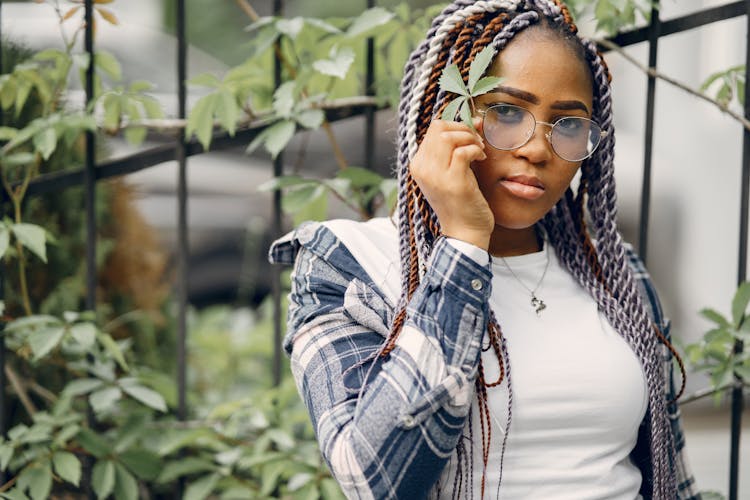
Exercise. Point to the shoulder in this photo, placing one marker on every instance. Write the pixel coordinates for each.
(366, 251)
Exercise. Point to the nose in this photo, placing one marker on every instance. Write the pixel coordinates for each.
(538, 148)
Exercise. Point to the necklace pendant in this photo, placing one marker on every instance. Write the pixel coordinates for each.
(538, 304)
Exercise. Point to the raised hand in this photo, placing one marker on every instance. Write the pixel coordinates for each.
(442, 169)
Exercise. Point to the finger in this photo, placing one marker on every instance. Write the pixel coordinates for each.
(458, 138)
(463, 156)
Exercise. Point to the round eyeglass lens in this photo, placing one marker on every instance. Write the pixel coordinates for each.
(574, 138)
(508, 127)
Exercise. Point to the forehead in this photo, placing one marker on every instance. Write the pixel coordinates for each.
(546, 66)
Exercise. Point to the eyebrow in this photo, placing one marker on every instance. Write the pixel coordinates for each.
(529, 97)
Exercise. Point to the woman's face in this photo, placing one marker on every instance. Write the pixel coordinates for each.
(543, 75)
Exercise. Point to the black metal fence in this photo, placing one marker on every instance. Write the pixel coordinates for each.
(181, 150)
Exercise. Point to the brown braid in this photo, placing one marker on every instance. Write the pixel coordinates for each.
(465, 41)
(493, 27)
(430, 95)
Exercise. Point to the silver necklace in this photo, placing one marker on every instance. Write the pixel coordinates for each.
(537, 303)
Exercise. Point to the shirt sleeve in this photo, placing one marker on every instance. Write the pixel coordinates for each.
(387, 426)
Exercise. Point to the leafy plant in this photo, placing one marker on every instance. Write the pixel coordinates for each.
(728, 84)
(452, 81)
(716, 352)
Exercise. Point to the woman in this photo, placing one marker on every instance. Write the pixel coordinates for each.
(404, 334)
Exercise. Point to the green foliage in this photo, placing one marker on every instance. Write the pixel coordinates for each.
(613, 16)
(728, 85)
(716, 353)
(361, 190)
(452, 81)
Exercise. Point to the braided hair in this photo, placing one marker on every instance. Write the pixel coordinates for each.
(457, 35)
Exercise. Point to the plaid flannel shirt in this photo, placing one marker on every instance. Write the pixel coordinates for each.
(387, 428)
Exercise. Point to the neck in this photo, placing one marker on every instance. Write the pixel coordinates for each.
(506, 242)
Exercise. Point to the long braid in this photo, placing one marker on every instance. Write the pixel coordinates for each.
(457, 35)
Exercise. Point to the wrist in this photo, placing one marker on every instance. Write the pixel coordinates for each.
(476, 238)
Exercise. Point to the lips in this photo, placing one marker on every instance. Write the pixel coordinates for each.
(523, 186)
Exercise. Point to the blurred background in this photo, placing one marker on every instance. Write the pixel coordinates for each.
(697, 160)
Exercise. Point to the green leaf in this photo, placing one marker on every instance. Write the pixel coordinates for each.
(45, 142)
(14, 494)
(82, 386)
(369, 20)
(331, 490)
(112, 105)
(279, 136)
(284, 98)
(299, 480)
(451, 110)
(84, 334)
(32, 322)
(297, 199)
(201, 120)
(7, 133)
(282, 439)
(742, 371)
(140, 86)
(103, 399)
(227, 111)
(22, 94)
(323, 25)
(205, 80)
(486, 84)
(201, 488)
(716, 317)
(479, 65)
(67, 466)
(184, 467)
(43, 341)
(270, 475)
(126, 487)
(148, 397)
(290, 27)
(310, 118)
(103, 478)
(338, 63)
(360, 177)
(107, 63)
(4, 240)
(112, 348)
(739, 303)
(32, 237)
(465, 114)
(8, 93)
(135, 135)
(18, 159)
(451, 81)
(144, 463)
(38, 480)
(6, 453)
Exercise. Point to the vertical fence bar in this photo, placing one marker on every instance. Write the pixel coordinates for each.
(653, 49)
(737, 397)
(278, 171)
(370, 91)
(89, 186)
(182, 227)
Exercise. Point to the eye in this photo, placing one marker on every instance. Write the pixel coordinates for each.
(507, 113)
(571, 125)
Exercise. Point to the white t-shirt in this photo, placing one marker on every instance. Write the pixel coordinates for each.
(579, 393)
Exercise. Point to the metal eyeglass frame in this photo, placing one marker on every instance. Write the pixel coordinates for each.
(548, 135)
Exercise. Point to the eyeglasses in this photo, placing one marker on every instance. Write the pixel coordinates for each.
(573, 138)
